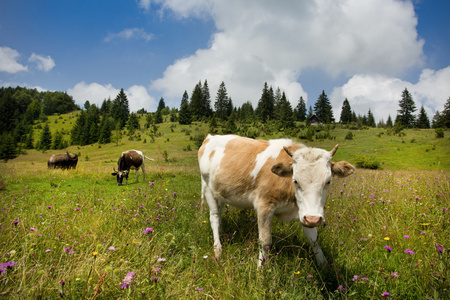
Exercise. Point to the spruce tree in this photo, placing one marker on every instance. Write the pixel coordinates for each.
(185, 111)
(45, 141)
(8, 147)
(323, 109)
(161, 104)
(389, 123)
(206, 100)
(346, 113)
(247, 112)
(266, 104)
(133, 123)
(405, 116)
(300, 112)
(371, 119)
(422, 119)
(196, 104)
(286, 116)
(120, 109)
(446, 114)
(438, 120)
(222, 102)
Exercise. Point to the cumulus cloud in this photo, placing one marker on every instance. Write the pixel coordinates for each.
(96, 93)
(128, 34)
(8, 61)
(263, 40)
(381, 94)
(44, 63)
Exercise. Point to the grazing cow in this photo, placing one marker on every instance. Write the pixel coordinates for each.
(131, 159)
(276, 178)
(63, 161)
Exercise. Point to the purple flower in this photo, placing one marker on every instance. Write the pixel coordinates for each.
(63, 282)
(112, 248)
(341, 288)
(199, 289)
(148, 230)
(395, 274)
(444, 209)
(32, 229)
(48, 207)
(67, 249)
(356, 277)
(406, 236)
(127, 280)
(410, 252)
(385, 294)
(7, 265)
(47, 251)
(440, 248)
(388, 248)
(15, 222)
(162, 259)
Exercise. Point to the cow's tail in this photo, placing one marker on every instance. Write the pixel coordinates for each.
(149, 158)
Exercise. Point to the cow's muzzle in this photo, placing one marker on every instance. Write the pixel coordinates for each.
(312, 221)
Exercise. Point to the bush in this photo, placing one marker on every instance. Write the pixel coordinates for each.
(439, 133)
(367, 162)
(349, 136)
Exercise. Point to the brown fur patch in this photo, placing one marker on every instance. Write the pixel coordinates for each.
(202, 148)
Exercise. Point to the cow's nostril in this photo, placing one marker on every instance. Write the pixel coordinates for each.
(312, 221)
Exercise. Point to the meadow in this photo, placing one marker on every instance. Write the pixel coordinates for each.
(77, 235)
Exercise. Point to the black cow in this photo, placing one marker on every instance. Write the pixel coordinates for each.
(131, 159)
(63, 161)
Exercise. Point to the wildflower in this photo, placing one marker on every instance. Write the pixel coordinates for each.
(365, 279)
(148, 230)
(410, 252)
(127, 280)
(111, 248)
(387, 238)
(67, 249)
(47, 251)
(63, 282)
(444, 209)
(7, 265)
(95, 253)
(309, 276)
(406, 236)
(49, 207)
(355, 278)
(297, 272)
(388, 248)
(72, 252)
(32, 229)
(395, 274)
(440, 248)
(385, 294)
(162, 259)
(199, 289)
(15, 222)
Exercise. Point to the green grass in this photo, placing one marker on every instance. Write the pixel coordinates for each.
(85, 210)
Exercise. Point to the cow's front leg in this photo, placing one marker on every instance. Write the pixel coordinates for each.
(312, 237)
(137, 175)
(265, 217)
(215, 217)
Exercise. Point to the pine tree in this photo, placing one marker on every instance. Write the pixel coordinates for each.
(196, 104)
(29, 140)
(300, 112)
(346, 113)
(371, 119)
(8, 147)
(438, 120)
(58, 142)
(185, 112)
(446, 114)
(106, 127)
(158, 117)
(120, 109)
(266, 104)
(161, 104)
(422, 119)
(206, 100)
(405, 116)
(45, 141)
(221, 105)
(323, 109)
(389, 123)
(133, 123)
(286, 118)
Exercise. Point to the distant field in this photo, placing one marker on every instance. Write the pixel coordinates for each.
(76, 234)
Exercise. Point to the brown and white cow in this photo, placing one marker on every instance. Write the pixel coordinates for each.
(131, 159)
(276, 178)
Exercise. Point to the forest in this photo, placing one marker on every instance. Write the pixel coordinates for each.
(22, 108)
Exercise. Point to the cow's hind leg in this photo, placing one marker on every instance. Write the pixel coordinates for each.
(312, 237)
(215, 217)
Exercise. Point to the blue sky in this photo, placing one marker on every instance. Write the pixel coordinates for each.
(367, 51)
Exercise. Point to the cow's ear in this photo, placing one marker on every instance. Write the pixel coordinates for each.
(114, 174)
(282, 169)
(342, 169)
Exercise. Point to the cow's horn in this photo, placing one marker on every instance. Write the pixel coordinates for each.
(332, 152)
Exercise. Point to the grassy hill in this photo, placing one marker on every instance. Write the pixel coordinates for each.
(77, 235)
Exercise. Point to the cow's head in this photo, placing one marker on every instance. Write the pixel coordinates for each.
(312, 171)
(120, 175)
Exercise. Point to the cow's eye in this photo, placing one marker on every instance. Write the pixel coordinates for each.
(295, 181)
(328, 182)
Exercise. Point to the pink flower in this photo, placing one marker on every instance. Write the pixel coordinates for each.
(341, 288)
(388, 248)
(112, 248)
(406, 236)
(47, 251)
(148, 230)
(32, 229)
(127, 280)
(356, 277)
(410, 252)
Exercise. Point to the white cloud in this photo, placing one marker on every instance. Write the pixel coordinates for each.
(381, 94)
(8, 61)
(273, 41)
(128, 34)
(95, 93)
(44, 63)
(145, 4)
